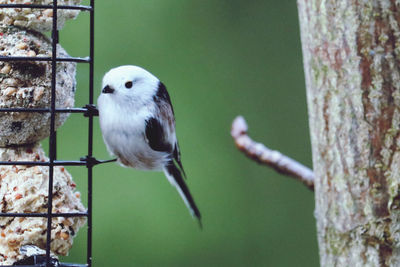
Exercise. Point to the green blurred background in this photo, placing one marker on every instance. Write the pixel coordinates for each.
(218, 58)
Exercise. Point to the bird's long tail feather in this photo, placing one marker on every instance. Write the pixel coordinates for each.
(174, 176)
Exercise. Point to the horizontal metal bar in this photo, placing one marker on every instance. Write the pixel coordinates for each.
(44, 215)
(69, 163)
(58, 59)
(71, 110)
(45, 163)
(76, 7)
(82, 162)
(44, 110)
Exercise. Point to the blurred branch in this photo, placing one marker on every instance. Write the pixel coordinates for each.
(271, 158)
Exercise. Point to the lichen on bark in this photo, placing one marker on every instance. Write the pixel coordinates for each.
(351, 53)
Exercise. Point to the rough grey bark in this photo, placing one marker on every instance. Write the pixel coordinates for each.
(351, 55)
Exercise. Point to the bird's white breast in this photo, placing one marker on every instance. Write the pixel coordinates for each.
(123, 128)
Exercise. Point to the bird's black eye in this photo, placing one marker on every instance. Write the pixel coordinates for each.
(128, 85)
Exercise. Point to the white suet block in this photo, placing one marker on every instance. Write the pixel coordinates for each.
(37, 19)
(28, 85)
(25, 189)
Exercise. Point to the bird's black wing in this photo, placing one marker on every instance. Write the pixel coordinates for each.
(156, 136)
(163, 101)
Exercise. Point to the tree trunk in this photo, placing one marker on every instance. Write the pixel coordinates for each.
(351, 55)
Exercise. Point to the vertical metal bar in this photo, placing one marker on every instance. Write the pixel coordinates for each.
(90, 137)
(52, 141)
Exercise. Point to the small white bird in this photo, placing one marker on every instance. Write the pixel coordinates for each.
(138, 125)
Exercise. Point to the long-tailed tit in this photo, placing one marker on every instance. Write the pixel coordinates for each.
(138, 125)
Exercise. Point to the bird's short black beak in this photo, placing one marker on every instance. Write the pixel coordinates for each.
(107, 90)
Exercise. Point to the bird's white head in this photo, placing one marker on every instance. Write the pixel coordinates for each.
(129, 83)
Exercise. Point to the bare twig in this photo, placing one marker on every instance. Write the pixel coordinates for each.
(264, 155)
